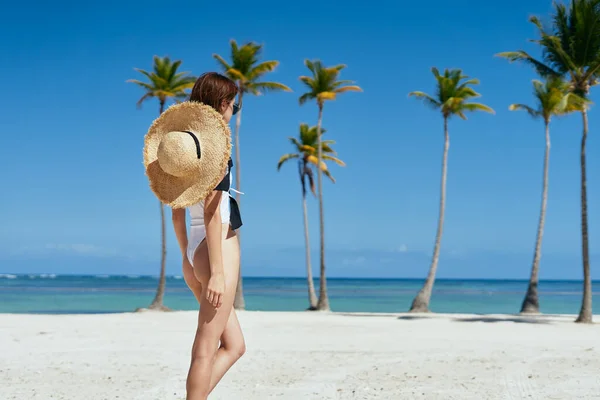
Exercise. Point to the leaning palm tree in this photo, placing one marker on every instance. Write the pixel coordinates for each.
(571, 49)
(164, 83)
(323, 85)
(553, 98)
(248, 72)
(453, 92)
(306, 153)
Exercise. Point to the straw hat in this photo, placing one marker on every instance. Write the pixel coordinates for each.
(186, 151)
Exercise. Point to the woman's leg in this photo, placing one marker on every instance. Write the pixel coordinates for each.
(232, 348)
(211, 321)
(232, 340)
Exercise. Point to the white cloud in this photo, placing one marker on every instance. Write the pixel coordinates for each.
(402, 249)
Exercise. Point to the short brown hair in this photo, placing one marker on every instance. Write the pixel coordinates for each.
(213, 89)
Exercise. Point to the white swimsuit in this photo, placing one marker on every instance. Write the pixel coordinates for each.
(229, 213)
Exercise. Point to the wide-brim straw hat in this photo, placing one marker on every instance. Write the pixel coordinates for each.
(186, 151)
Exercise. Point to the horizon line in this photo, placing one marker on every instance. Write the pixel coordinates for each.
(55, 275)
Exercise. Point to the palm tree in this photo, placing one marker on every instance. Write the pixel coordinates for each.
(322, 86)
(164, 83)
(571, 49)
(553, 98)
(247, 71)
(306, 150)
(453, 92)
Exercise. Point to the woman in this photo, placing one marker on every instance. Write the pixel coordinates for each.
(211, 260)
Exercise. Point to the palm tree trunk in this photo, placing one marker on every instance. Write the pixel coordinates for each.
(531, 304)
(238, 302)
(421, 301)
(238, 123)
(323, 303)
(312, 296)
(157, 303)
(585, 314)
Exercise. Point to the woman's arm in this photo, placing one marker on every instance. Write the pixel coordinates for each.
(214, 232)
(178, 217)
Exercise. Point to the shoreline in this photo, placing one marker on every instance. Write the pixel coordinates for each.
(399, 315)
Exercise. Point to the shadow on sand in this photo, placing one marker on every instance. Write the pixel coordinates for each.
(519, 319)
(541, 319)
(366, 314)
(506, 318)
(415, 317)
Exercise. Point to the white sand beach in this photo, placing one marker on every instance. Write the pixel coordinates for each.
(303, 356)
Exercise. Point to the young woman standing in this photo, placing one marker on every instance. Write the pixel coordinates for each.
(211, 260)
(211, 253)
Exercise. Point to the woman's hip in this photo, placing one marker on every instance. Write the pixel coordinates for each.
(230, 254)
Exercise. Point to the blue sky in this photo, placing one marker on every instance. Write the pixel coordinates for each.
(76, 200)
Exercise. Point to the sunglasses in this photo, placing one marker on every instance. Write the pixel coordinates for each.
(236, 108)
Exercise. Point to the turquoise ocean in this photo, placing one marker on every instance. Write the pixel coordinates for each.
(64, 294)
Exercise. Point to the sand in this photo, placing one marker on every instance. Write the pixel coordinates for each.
(303, 356)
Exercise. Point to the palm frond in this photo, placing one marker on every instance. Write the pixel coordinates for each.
(285, 158)
(574, 102)
(295, 142)
(310, 65)
(327, 149)
(234, 46)
(261, 69)
(523, 56)
(345, 89)
(263, 87)
(343, 83)
(152, 76)
(221, 61)
(236, 74)
(468, 82)
(337, 68)
(427, 99)
(308, 81)
(146, 96)
(328, 174)
(145, 85)
(334, 159)
(529, 110)
(592, 73)
(477, 107)
(305, 97)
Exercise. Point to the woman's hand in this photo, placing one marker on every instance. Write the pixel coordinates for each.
(215, 290)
